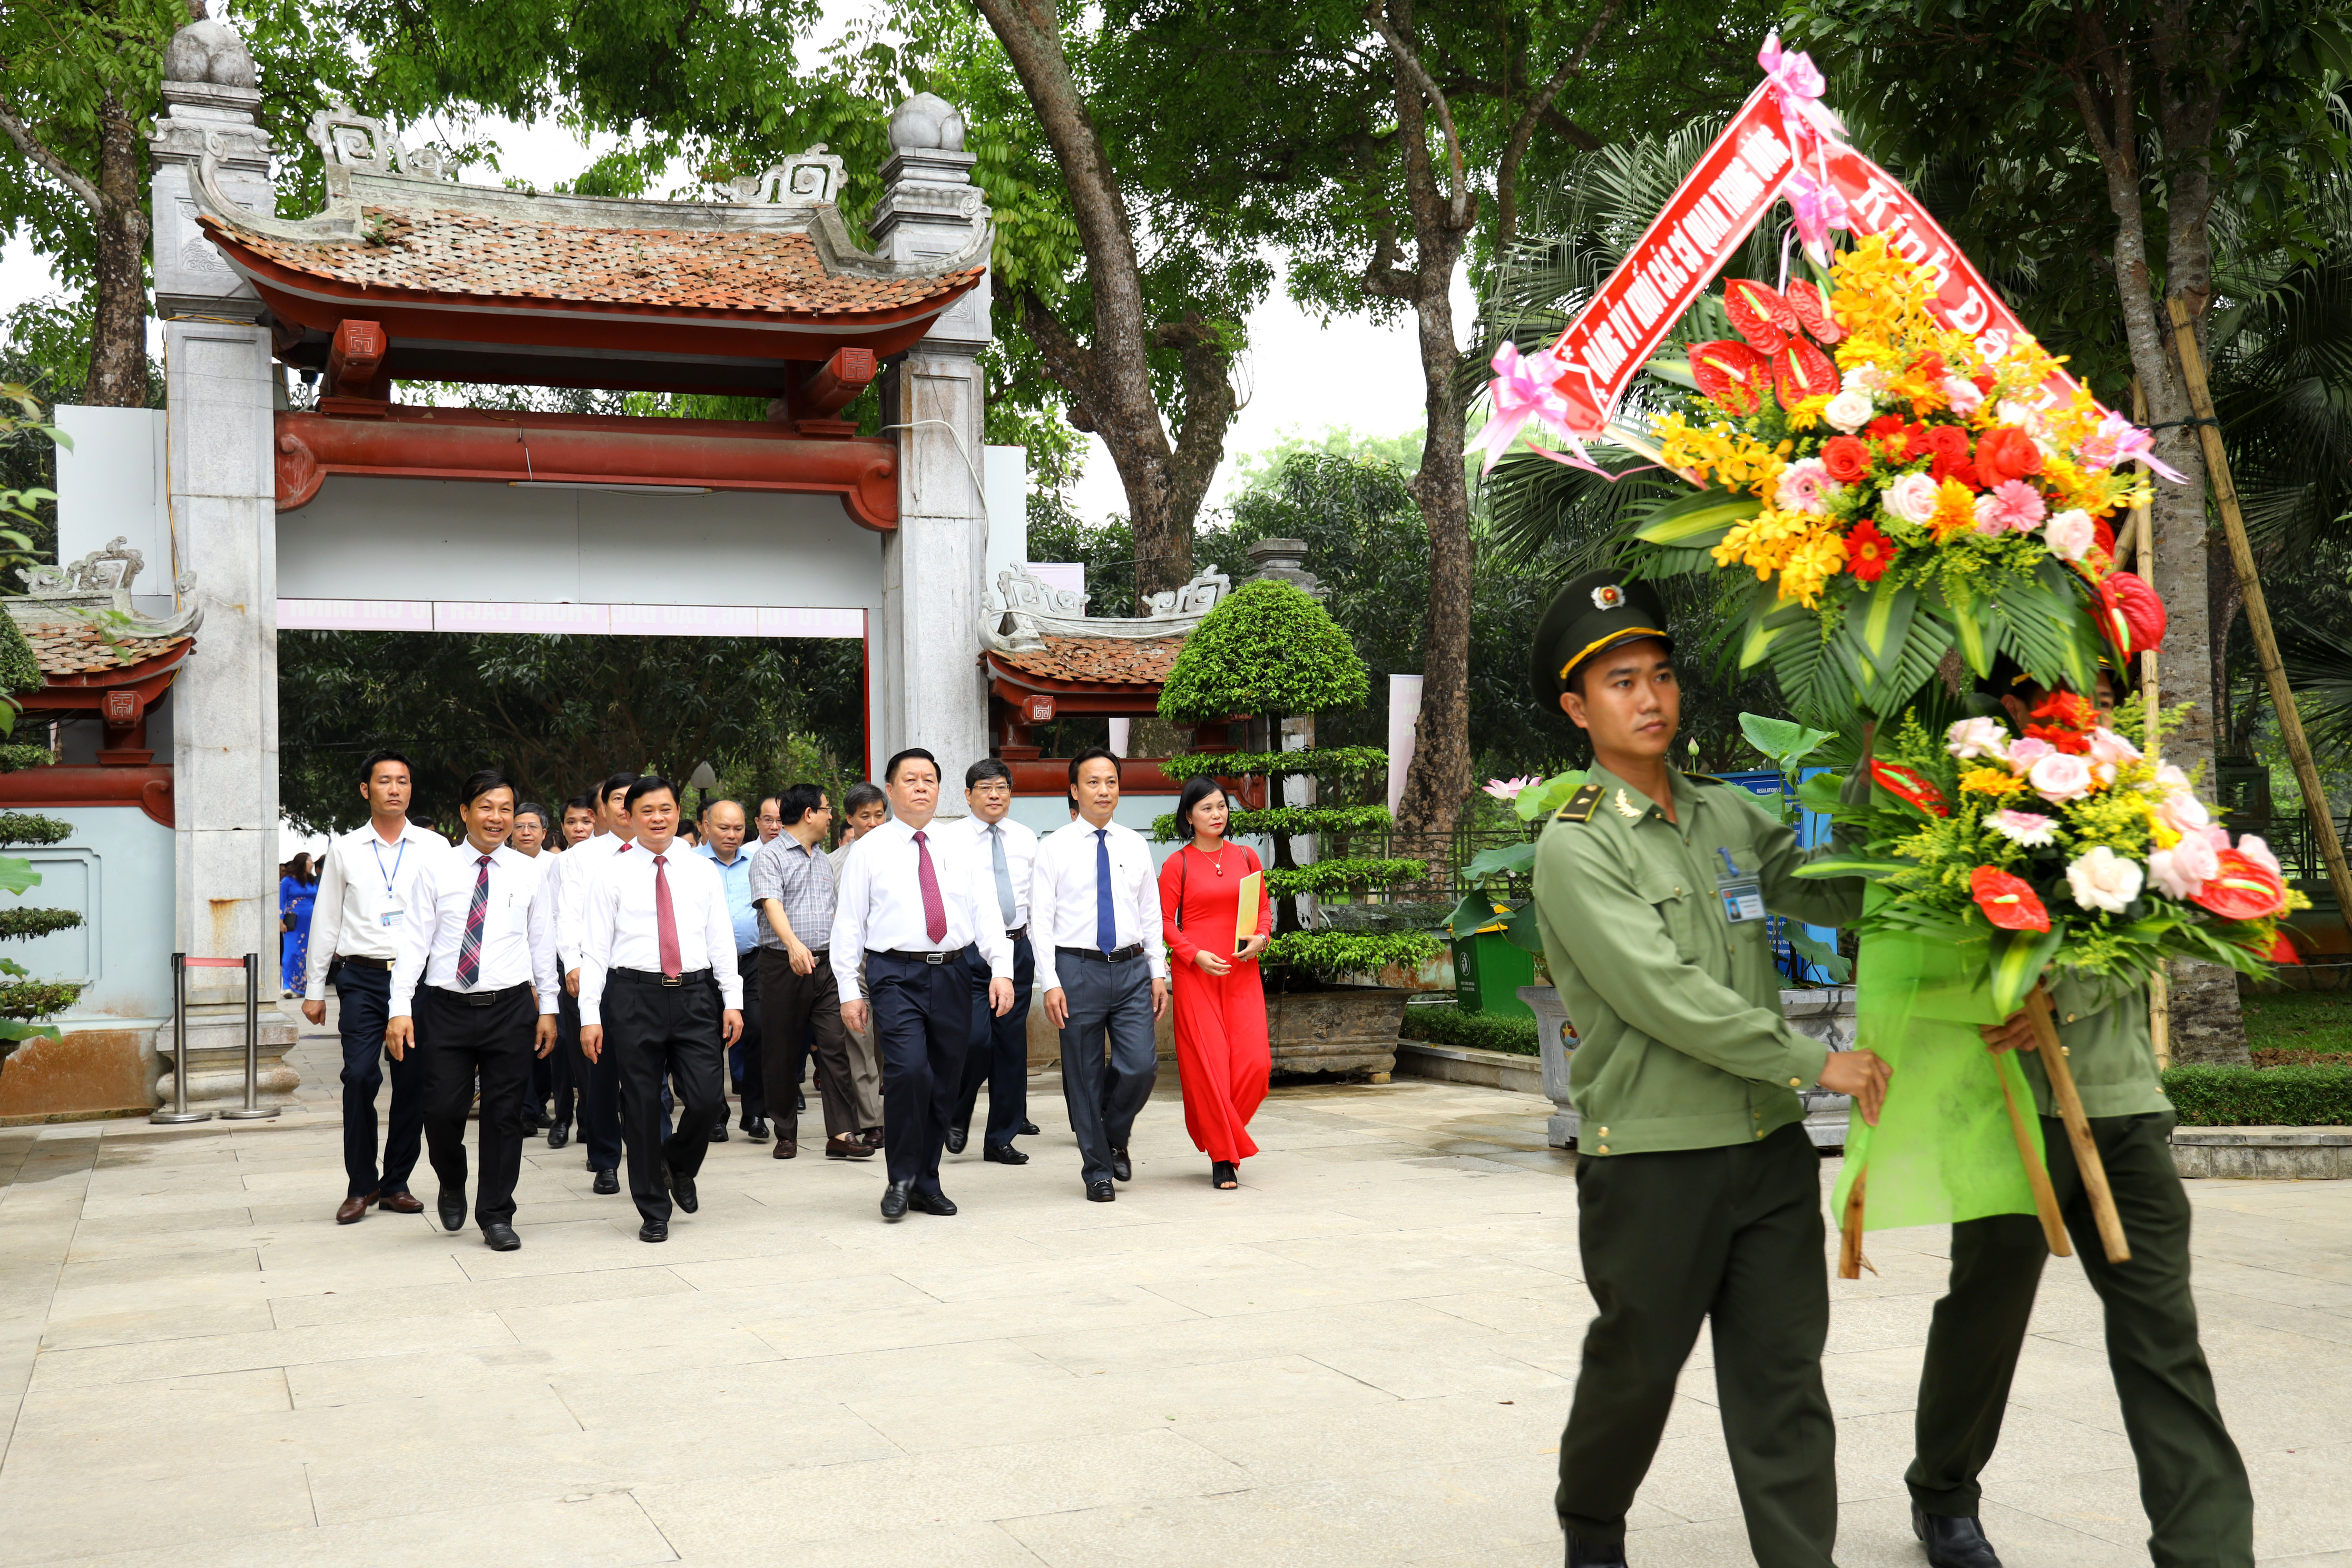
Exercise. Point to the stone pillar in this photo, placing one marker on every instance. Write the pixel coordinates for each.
(219, 380)
(928, 641)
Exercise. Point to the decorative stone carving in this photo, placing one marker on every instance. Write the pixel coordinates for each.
(208, 51)
(1284, 561)
(926, 120)
(1024, 611)
(211, 114)
(813, 178)
(100, 584)
(353, 141)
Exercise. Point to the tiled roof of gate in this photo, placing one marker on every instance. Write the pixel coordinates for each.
(67, 647)
(1114, 661)
(478, 255)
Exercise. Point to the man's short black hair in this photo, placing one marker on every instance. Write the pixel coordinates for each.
(532, 808)
(482, 782)
(860, 796)
(618, 781)
(987, 768)
(798, 801)
(376, 759)
(1088, 755)
(580, 802)
(652, 784)
(890, 768)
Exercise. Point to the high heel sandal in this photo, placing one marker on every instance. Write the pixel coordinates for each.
(1224, 1176)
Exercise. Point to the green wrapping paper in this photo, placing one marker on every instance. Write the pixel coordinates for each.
(1943, 1149)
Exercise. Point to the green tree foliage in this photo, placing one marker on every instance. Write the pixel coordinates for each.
(1268, 650)
(557, 712)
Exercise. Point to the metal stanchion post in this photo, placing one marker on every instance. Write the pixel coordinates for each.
(180, 1049)
(253, 1111)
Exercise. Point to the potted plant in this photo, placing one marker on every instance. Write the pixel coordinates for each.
(1269, 652)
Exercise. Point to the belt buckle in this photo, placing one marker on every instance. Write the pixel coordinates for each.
(673, 979)
(935, 958)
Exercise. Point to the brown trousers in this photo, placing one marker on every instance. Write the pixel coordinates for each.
(791, 1006)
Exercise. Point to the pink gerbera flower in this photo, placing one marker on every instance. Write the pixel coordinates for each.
(2016, 506)
(1806, 486)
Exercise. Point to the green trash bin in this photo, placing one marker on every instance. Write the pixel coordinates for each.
(1488, 970)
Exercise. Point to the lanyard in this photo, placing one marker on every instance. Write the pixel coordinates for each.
(393, 876)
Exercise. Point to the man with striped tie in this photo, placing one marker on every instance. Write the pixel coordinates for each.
(659, 990)
(473, 994)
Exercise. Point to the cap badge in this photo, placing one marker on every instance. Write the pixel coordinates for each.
(1608, 596)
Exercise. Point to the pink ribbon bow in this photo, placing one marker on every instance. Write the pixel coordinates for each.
(2118, 441)
(1797, 87)
(1523, 389)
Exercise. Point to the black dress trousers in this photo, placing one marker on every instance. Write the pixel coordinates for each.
(997, 1053)
(459, 1037)
(922, 1017)
(654, 1030)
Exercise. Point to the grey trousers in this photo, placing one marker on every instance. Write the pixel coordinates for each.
(1111, 1000)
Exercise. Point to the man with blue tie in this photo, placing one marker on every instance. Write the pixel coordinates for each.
(921, 905)
(473, 994)
(1094, 902)
(998, 1052)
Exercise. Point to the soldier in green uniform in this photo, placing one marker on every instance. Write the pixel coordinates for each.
(2191, 1480)
(1698, 1193)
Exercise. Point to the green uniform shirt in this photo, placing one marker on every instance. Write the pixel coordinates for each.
(2102, 1024)
(1680, 1039)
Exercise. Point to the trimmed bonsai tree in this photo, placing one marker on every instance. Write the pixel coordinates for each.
(1270, 652)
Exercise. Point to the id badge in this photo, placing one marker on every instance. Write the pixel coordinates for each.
(1741, 892)
(393, 913)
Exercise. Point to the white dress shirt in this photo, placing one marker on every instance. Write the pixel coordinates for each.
(1062, 897)
(518, 928)
(366, 889)
(575, 870)
(619, 930)
(879, 903)
(1020, 856)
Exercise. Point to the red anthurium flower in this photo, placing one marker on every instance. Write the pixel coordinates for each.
(2242, 891)
(1813, 311)
(1730, 373)
(2009, 902)
(2065, 708)
(2127, 599)
(1905, 782)
(1868, 552)
(1758, 314)
(2282, 950)
(1803, 371)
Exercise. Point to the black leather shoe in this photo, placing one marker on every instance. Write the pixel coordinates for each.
(1101, 1193)
(682, 1188)
(800, 1101)
(500, 1238)
(1583, 1554)
(654, 1230)
(939, 1203)
(1004, 1154)
(756, 1129)
(895, 1199)
(1952, 1542)
(452, 1205)
(957, 1138)
(1120, 1166)
(559, 1135)
(719, 1133)
(608, 1182)
(1028, 1130)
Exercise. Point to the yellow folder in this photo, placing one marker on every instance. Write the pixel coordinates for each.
(1246, 914)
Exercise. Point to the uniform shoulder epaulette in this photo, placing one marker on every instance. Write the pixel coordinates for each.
(1709, 778)
(1581, 805)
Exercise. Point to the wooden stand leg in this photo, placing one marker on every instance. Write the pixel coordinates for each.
(1850, 1259)
(2037, 1175)
(2041, 1010)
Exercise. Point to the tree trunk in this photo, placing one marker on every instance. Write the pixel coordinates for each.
(118, 354)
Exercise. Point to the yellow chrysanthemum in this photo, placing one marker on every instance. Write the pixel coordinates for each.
(1806, 414)
(1956, 510)
(1994, 782)
(1819, 557)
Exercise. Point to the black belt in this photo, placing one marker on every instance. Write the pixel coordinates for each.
(480, 998)
(1016, 933)
(950, 957)
(357, 963)
(1100, 956)
(655, 977)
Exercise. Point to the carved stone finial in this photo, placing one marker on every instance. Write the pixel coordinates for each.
(208, 51)
(362, 142)
(926, 120)
(806, 179)
(1284, 561)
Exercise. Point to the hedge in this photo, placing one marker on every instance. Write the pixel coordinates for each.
(1445, 1023)
(2261, 1097)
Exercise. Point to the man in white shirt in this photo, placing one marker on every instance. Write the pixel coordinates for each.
(473, 995)
(576, 872)
(916, 902)
(659, 995)
(366, 886)
(570, 1069)
(998, 1051)
(864, 809)
(1095, 906)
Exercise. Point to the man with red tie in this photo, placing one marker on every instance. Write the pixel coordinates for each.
(921, 906)
(473, 994)
(659, 990)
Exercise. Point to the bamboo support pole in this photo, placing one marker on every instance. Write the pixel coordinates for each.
(2037, 1173)
(2258, 614)
(2042, 1012)
(2143, 530)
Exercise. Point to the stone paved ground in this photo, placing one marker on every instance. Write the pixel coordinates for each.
(1363, 1357)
